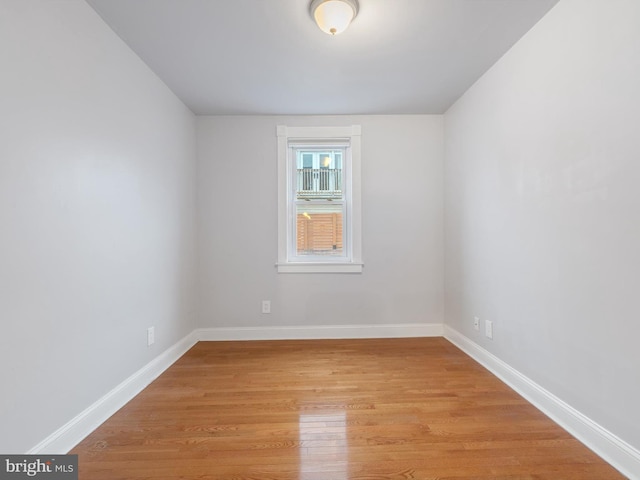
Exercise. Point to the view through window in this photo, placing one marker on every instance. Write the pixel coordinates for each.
(319, 201)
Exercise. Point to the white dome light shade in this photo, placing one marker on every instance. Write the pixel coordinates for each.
(333, 16)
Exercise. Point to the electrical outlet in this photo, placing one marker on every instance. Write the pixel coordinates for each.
(476, 323)
(266, 306)
(151, 336)
(488, 328)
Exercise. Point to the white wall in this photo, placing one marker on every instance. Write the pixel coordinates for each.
(97, 165)
(402, 226)
(543, 209)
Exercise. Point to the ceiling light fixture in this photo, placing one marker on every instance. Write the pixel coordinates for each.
(333, 16)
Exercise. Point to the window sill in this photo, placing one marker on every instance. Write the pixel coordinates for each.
(319, 267)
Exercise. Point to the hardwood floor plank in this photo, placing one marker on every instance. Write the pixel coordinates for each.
(332, 410)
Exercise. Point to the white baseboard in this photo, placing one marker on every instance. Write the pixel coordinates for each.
(74, 431)
(617, 452)
(321, 332)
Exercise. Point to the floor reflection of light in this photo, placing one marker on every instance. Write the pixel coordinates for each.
(324, 446)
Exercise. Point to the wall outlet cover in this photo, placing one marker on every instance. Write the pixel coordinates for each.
(151, 336)
(266, 306)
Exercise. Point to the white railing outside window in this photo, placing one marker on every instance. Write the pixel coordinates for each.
(319, 183)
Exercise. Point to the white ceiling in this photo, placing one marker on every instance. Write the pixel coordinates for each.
(269, 57)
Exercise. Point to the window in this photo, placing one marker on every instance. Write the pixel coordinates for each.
(319, 199)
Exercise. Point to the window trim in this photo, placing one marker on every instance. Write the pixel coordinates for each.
(292, 135)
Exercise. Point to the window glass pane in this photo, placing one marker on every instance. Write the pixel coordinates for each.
(337, 158)
(319, 229)
(319, 175)
(325, 159)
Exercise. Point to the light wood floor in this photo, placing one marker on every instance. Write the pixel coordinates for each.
(332, 410)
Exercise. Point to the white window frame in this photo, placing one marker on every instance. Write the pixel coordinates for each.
(352, 230)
